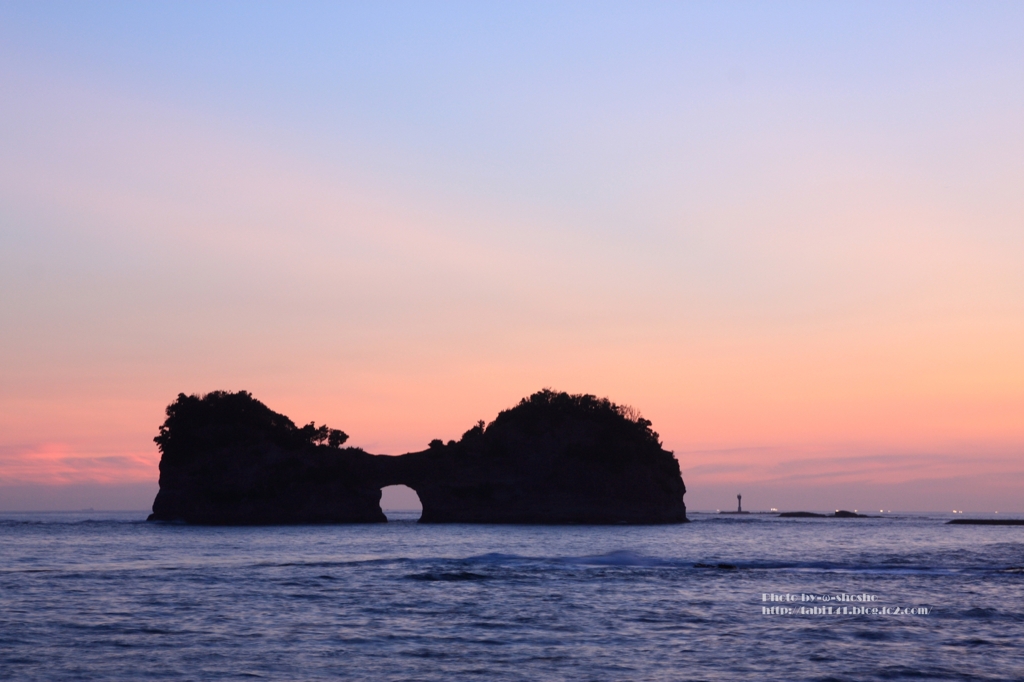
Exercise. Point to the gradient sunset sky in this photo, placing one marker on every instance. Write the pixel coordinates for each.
(790, 234)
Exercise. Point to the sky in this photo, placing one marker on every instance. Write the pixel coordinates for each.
(791, 234)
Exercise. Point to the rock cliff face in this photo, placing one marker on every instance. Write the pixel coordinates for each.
(226, 458)
(554, 458)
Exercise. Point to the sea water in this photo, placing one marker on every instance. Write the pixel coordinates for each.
(108, 596)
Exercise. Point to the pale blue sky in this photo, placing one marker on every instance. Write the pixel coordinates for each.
(784, 227)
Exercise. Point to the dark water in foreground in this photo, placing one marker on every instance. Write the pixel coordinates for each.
(107, 596)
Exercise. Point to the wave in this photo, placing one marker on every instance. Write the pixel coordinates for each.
(632, 559)
(443, 568)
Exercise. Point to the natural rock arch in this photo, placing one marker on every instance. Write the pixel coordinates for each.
(400, 498)
(553, 458)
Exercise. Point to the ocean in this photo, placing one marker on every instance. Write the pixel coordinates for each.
(108, 596)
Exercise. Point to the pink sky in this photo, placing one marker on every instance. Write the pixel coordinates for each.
(793, 242)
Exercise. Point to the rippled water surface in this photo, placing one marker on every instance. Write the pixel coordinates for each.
(108, 596)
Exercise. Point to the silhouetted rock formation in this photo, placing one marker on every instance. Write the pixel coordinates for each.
(554, 458)
(986, 522)
(838, 515)
(229, 459)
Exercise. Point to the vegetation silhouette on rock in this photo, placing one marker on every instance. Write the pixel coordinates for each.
(226, 458)
(553, 458)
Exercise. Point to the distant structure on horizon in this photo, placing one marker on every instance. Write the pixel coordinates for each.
(739, 506)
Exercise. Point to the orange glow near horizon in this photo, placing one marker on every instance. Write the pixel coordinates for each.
(55, 464)
(806, 275)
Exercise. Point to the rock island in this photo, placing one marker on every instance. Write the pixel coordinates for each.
(555, 458)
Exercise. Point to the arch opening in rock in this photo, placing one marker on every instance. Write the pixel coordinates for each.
(400, 503)
(555, 458)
